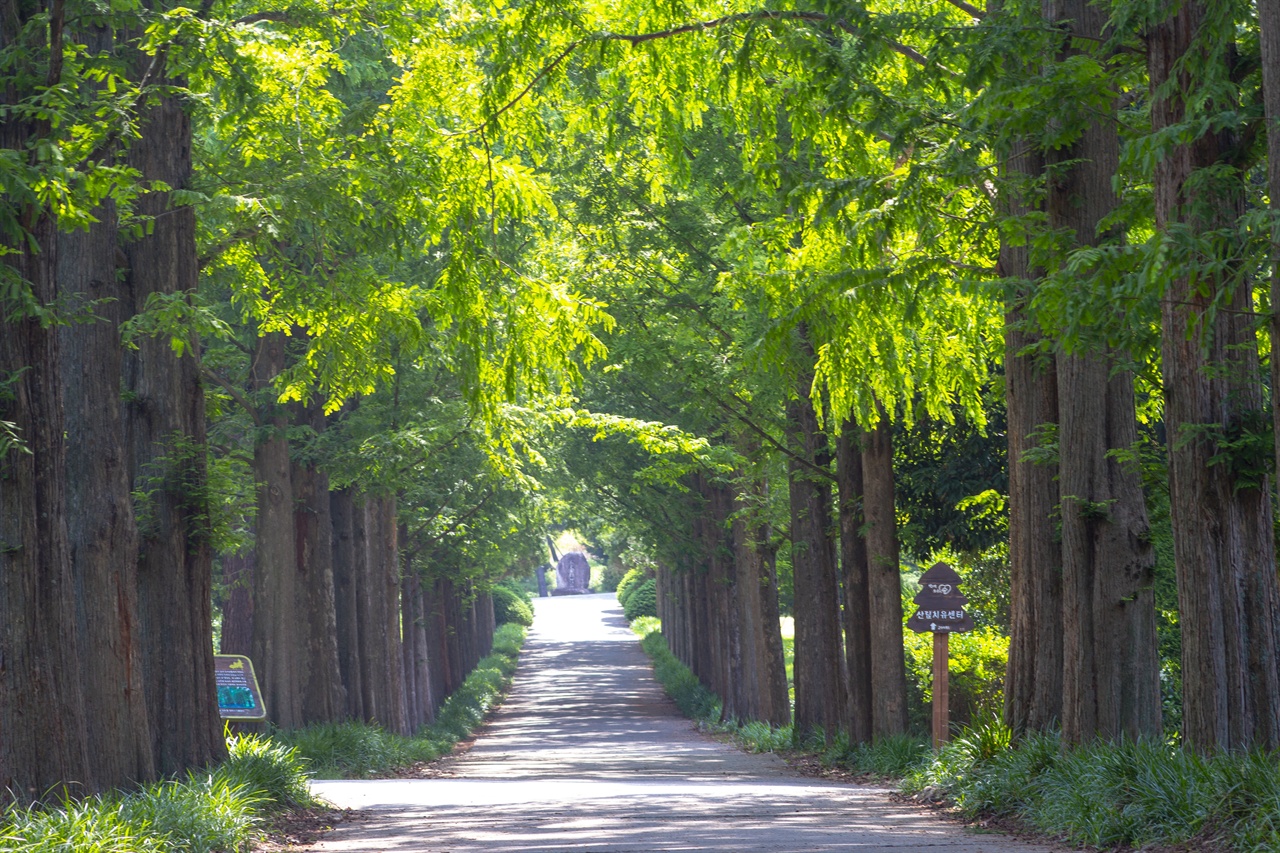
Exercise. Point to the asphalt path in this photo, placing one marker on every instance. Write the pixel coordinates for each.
(588, 755)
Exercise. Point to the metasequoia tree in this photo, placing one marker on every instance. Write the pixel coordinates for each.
(1110, 680)
(1220, 505)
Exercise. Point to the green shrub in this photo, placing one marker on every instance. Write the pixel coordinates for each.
(358, 750)
(643, 601)
(629, 582)
(612, 574)
(977, 667)
(511, 607)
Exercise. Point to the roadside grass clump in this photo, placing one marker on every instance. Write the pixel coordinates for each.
(272, 773)
(353, 750)
(203, 812)
(200, 814)
(1107, 795)
(89, 826)
(888, 757)
(356, 750)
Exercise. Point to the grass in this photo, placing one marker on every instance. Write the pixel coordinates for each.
(203, 812)
(221, 810)
(354, 750)
(888, 757)
(1103, 795)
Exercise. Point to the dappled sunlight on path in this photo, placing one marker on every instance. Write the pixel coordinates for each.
(587, 754)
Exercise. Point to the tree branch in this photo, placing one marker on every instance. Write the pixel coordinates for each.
(970, 10)
(235, 393)
(714, 23)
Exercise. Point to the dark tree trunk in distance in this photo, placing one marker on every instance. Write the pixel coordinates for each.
(1033, 680)
(323, 697)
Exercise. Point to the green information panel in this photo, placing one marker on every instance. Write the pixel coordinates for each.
(239, 697)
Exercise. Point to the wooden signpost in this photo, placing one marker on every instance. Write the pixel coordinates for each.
(940, 611)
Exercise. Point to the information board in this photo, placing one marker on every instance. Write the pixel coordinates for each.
(239, 697)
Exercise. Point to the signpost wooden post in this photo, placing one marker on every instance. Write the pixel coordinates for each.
(940, 611)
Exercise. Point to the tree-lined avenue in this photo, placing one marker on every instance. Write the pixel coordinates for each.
(586, 754)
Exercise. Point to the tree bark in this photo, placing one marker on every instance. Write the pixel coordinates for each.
(819, 658)
(237, 607)
(43, 740)
(166, 427)
(884, 584)
(762, 676)
(1033, 680)
(856, 575)
(1221, 511)
(276, 624)
(323, 697)
(1111, 668)
(101, 525)
(342, 508)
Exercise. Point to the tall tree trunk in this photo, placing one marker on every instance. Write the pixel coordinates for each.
(1111, 668)
(1033, 680)
(101, 524)
(396, 718)
(166, 426)
(342, 508)
(884, 584)
(323, 697)
(761, 678)
(43, 740)
(276, 623)
(856, 575)
(1269, 24)
(819, 658)
(1221, 511)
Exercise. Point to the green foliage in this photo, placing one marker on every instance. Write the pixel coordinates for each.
(978, 660)
(266, 770)
(91, 826)
(509, 606)
(1126, 794)
(694, 700)
(643, 601)
(361, 750)
(204, 812)
(354, 750)
(888, 757)
(630, 581)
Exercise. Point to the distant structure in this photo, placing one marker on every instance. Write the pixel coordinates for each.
(573, 574)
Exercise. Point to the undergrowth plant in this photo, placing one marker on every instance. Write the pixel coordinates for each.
(203, 812)
(359, 750)
(219, 811)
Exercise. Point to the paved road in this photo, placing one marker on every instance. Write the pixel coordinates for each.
(588, 755)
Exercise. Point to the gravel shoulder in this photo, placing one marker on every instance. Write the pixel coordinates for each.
(588, 754)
